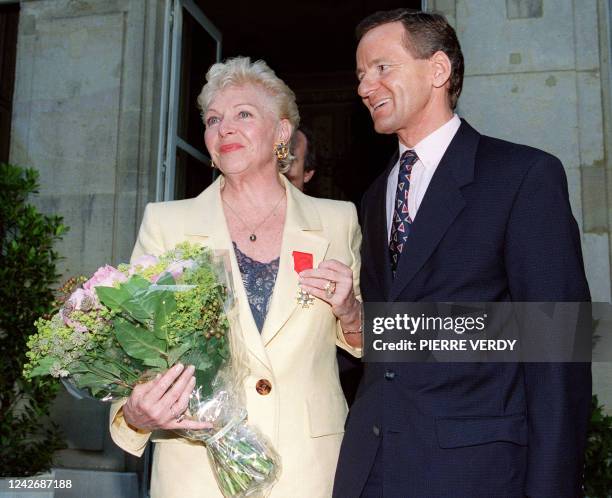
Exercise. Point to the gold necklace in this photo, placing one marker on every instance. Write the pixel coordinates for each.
(253, 237)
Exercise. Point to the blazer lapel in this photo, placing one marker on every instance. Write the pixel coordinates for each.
(207, 226)
(302, 233)
(375, 245)
(442, 203)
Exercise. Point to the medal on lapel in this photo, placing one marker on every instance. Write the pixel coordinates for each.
(303, 261)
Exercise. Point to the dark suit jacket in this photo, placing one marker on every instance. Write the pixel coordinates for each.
(495, 225)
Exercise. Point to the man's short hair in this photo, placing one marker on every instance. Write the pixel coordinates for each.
(426, 34)
(310, 161)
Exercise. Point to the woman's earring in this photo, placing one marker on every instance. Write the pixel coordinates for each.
(212, 164)
(281, 150)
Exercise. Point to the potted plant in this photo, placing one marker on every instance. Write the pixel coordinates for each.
(27, 275)
(598, 462)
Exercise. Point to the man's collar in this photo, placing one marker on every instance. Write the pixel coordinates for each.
(431, 149)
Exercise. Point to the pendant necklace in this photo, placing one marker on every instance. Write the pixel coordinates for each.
(253, 237)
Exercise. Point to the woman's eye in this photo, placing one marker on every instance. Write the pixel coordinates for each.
(382, 68)
(244, 114)
(212, 120)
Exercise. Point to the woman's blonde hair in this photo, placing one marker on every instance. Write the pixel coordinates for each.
(239, 71)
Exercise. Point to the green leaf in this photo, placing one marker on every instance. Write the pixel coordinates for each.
(140, 343)
(164, 308)
(135, 284)
(43, 366)
(92, 382)
(133, 298)
(112, 297)
(204, 377)
(175, 353)
(87, 380)
(137, 308)
(156, 362)
(79, 367)
(166, 279)
(107, 367)
(205, 363)
(140, 304)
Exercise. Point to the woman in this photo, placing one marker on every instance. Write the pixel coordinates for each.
(293, 394)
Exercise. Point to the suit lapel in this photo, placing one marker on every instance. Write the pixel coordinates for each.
(207, 226)
(442, 203)
(302, 233)
(376, 238)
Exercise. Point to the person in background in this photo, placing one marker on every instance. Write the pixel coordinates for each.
(304, 161)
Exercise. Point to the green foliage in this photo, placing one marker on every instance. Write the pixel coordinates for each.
(28, 273)
(598, 464)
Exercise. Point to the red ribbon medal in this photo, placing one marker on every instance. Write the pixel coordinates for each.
(303, 261)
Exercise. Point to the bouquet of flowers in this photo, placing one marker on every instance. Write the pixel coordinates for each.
(125, 325)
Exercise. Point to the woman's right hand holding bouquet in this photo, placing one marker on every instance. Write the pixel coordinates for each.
(160, 403)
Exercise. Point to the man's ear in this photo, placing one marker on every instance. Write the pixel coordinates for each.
(308, 175)
(285, 129)
(441, 65)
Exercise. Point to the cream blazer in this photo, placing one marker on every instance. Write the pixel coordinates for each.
(304, 413)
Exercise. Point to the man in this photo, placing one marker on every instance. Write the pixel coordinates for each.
(303, 166)
(472, 218)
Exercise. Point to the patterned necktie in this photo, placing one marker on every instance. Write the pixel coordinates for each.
(401, 223)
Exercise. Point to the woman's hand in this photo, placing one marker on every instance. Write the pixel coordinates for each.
(332, 282)
(160, 403)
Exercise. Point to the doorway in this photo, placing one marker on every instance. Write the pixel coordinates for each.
(311, 46)
(9, 21)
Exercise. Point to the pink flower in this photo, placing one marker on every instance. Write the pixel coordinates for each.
(177, 268)
(84, 300)
(80, 300)
(105, 276)
(143, 262)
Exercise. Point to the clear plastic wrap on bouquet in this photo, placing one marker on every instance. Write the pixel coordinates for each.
(243, 461)
(127, 324)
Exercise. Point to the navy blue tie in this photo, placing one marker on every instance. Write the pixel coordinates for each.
(401, 223)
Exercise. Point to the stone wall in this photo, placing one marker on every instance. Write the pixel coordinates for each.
(82, 116)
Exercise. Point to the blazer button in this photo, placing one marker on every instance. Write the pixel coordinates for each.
(263, 386)
(376, 430)
(389, 375)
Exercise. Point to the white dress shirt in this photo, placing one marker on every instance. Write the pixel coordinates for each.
(430, 151)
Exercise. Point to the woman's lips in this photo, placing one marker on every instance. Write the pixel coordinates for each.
(229, 148)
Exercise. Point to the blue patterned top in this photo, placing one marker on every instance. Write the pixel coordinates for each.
(259, 279)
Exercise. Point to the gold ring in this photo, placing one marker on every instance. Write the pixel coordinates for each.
(330, 289)
(178, 417)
